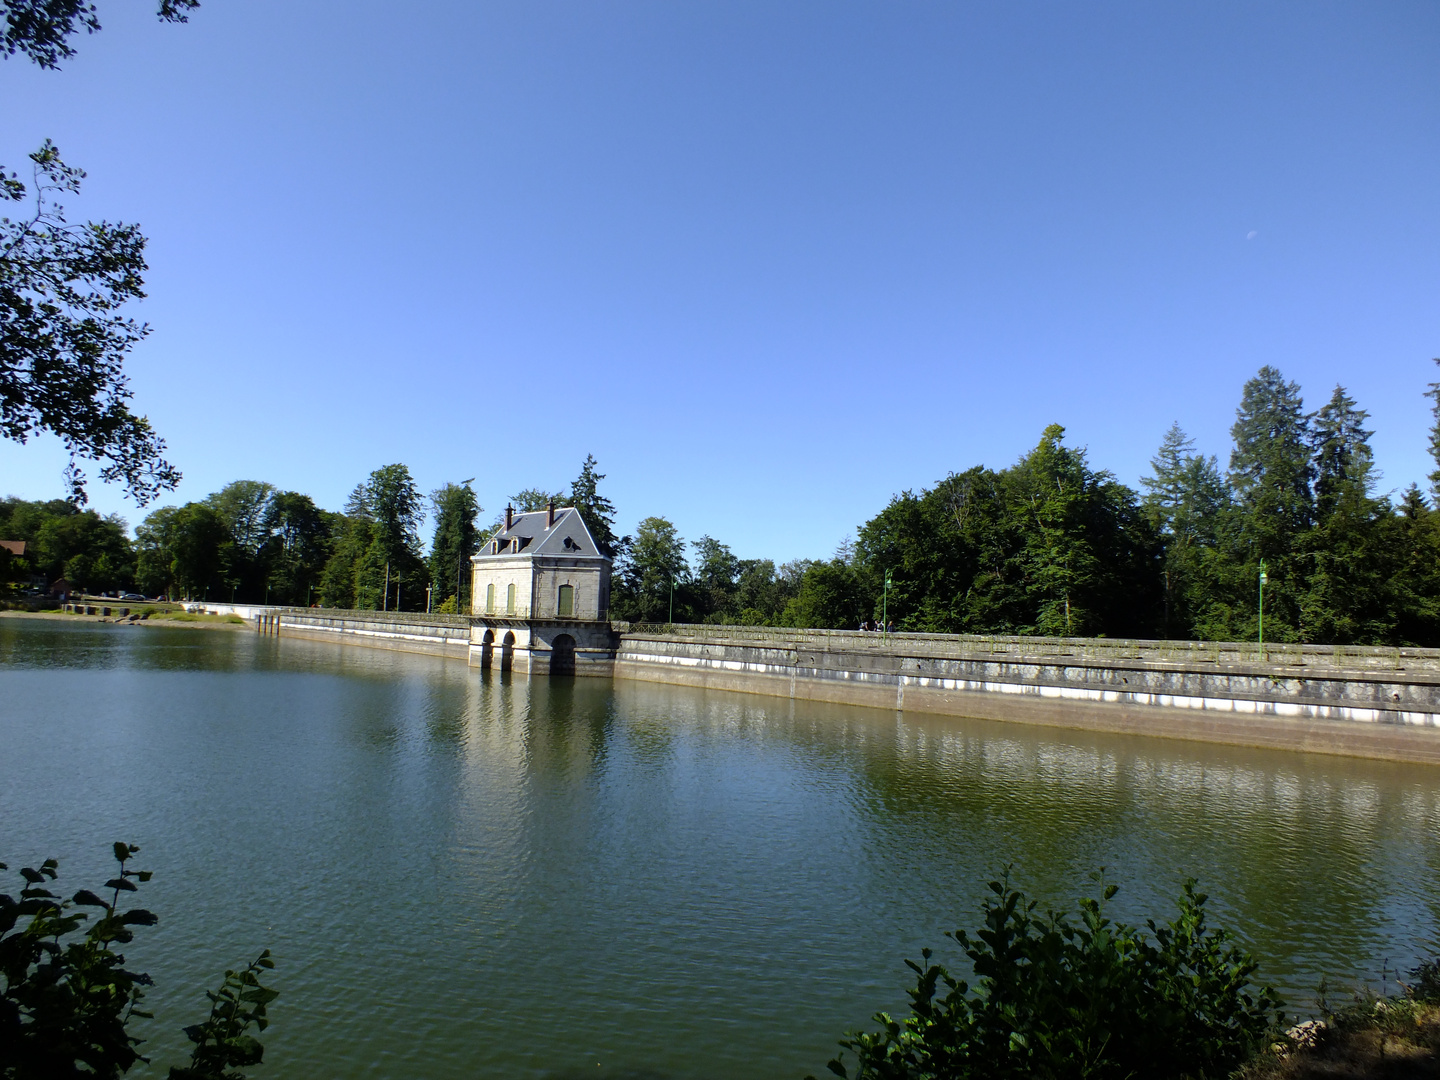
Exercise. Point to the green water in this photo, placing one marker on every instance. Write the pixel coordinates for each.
(467, 876)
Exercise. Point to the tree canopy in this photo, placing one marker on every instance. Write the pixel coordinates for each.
(63, 340)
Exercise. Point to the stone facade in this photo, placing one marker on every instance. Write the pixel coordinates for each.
(540, 591)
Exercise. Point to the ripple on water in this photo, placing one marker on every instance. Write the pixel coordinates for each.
(465, 875)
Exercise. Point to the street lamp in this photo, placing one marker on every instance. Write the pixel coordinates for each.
(1264, 577)
(885, 609)
(672, 598)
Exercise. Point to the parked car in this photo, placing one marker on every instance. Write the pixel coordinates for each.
(131, 596)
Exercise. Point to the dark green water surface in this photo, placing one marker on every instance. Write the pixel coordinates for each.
(467, 876)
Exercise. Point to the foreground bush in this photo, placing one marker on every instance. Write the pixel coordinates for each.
(67, 998)
(1057, 999)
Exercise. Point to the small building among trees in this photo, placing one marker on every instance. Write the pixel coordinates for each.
(540, 596)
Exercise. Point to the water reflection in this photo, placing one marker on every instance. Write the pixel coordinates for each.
(469, 875)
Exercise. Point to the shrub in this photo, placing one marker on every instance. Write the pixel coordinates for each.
(67, 997)
(1059, 999)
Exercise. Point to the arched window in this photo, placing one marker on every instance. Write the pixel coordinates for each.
(510, 599)
(565, 607)
(490, 598)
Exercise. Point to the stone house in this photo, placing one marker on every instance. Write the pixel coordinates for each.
(540, 596)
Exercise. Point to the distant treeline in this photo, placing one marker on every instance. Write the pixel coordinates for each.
(1049, 545)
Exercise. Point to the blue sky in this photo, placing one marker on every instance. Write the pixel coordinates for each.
(769, 263)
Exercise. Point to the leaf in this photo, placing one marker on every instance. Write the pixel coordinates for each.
(121, 883)
(85, 896)
(246, 1050)
(31, 875)
(140, 917)
(260, 995)
(122, 851)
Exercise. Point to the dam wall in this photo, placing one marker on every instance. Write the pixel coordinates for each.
(1372, 702)
(1381, 702)
(406, 631)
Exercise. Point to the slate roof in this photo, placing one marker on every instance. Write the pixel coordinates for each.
(568, 536)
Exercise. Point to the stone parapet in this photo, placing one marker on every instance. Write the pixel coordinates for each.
(1367, 710)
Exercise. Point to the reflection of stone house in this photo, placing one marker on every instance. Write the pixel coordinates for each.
(540, 590)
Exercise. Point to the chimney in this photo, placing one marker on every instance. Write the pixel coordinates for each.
(509, 517)
(550, 514)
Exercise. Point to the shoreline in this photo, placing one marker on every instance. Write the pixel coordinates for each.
(191, 623)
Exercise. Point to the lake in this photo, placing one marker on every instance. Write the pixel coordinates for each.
(467, 875)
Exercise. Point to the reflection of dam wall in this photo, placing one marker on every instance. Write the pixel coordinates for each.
(1371, 702)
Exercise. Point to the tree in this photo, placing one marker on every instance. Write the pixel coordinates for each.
(63, 341)
(353, 538)
(456, 539)
(243, 506)
(201, 552)
(1344, 462)
(1270, 466)
(298, 542)
(1185, 501)
(41, 29)
(597, 511)
(716, 572)
(1271, 470)
(831, 597)
(1349, 591)
(645, 575)
(91, 552)
(1434, 395)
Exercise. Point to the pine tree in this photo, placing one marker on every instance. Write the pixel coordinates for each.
(1434, 395)
(597, 511)
(1186, 498)
(1270, 467)
(1271, 471)
(456, 539)
(1350, 566)
(1344, 462)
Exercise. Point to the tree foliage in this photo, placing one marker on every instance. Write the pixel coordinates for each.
(456, 539)
(597, 511)
(63, 339)
(41, 29)
(1058, 997)
(69, 998)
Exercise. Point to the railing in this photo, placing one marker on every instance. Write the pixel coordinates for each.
(971, 646)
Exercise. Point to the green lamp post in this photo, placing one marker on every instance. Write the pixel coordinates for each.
(1264, 577)
(885, 608)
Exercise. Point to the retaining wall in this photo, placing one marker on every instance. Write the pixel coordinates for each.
(1371, 702)
(438, 635)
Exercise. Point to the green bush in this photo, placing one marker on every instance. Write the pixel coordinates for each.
(67, 998)
(1058, 999)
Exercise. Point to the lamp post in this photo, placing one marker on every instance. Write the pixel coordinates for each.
(885, 609)
(672, 598)
(1264, 577)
